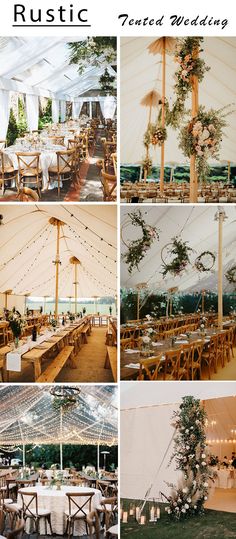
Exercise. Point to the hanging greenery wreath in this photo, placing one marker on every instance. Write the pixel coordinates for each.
(137, 249)
(155, 135)
(146, 163)
(180, 252)
(202, 137)
(205, 261)
(231, 275)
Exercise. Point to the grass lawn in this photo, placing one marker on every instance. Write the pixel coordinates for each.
(216, 524)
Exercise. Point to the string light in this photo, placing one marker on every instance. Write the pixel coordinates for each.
(89, 244)
(27, 245)
(88, 228)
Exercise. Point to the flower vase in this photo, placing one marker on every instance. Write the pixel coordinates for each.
(16, 342)
(58, 485)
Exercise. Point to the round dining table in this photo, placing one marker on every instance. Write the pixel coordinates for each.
(225, 478)
(56, 502)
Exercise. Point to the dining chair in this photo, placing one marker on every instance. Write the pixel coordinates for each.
(18, 531)
(29, 169)
(171, 364)
(195, 360)
(109, 510)
(229, 344)
(109, 182)
(221, 337)
(103, 486)
(64, 169)
(93, 524)
(127, 343)
(31, 510)
(27, 195)
(78, 510)
(7, 171)
(209, 356)
(58, 140)
(150, 368)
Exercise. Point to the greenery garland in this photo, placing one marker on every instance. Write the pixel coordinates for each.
(231, 275)
(106, 82)
(202, 136)
(155, 135)
(146, 163)
(190, 453)
(189, 65)
(66, 403)
(180, 251)
(137, 249)
(92, 50)
(199, 264)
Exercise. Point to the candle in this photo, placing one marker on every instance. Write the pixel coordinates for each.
(131, 511)
(121, 514)
(152, 513)
(125, 517)
(158, 513)
(142, 519)
(137, 513)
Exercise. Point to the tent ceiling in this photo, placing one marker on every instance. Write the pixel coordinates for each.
(41, 65)
(28, 416)
(195, 225)
(141, 72)
(28, 242)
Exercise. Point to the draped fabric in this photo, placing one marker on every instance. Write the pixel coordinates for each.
(4, 112)
(32, 111)
(55, 111)
(108, 106)
(63, 111)
(76, 109)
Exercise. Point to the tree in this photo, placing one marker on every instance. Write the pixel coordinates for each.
(92, 50)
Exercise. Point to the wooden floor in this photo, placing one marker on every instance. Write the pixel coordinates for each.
(90, 361)
(222, 499)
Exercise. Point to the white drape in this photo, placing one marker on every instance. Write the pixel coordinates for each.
(55, 111)
(76, 108)
(108, 106)
(4, 112)
(32, 111)
(63, 111)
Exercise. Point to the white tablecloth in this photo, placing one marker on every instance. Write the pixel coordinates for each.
(56, 502)
(47, 159)
(14, 358)
(226, 478)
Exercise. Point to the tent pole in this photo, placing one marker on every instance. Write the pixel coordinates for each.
(195, 104)
(58, 224)
(229, 171)
(163, 112)
(203, 301)
(98, 456)
(220, 217)
(23, 456)
(138, 304)
(61, 449)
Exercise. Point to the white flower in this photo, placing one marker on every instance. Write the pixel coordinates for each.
(177, 509)
(203, 463)
(189, 500)
(183, 510)
(169, 511)
(146, 339)
(197, 465)
(187, 431)
(150, 330)
(205, 497)
(194, 482)
(185, 490)
(166, 509)
(186, 506)
(187, 447)
(195, 507)
(179, 500)
(205, 484)
(203, 456)
(205, 133)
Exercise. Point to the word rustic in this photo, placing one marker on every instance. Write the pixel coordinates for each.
(23, 15)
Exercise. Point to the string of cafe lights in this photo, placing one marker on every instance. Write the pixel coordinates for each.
(27, 245)
(88, 228)
(89, 244)
(97, 260)
(97, 280)
(34, 260)
(48, 280)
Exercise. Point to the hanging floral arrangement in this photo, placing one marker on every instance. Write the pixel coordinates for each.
(205, 261)
(146, 163)
(179, 251)
(137, 249)
(202, 137)
(106, 82)
(190, 453)
(155, 135)
(231, 275)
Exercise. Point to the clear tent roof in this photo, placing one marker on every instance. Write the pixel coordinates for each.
(28, 416)
(41, 65)
(141, 73)
(28, 242)
(197, 226)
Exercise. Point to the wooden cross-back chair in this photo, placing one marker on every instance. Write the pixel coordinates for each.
(109, 182)
(64, 170)
(57, 140)
(78, 509)
(150, 368)
(7, 171)
(31, 510)
(29, 169)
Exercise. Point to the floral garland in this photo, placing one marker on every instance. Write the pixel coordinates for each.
(137, 249)
(180, 250)
(189, 64)
(231, 275)
(199, 262)
(188, 498)
(155, 135)
(202, 137)
(146, 163)
(66, 403)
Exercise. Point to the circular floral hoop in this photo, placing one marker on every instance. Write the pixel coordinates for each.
(155, 135)
(231, 275)
(137, 249)
(180, 251)
(199, 262)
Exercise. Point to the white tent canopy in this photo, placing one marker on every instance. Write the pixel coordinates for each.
(141, 73)
(147, 431)
(28, 244)
(195, 225)
(28, 416)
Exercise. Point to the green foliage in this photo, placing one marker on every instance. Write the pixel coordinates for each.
(73, 455)
(22, 123)
(92, 51)
(155, 135)
(45, 115)
(205, 261)
(106, 82)
(190, 454)
(231, 275)
(12, 132)
(180, 252)
(138, 248)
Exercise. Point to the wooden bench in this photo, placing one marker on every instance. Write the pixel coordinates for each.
(111, 361)
(52, 371)
(85, 332)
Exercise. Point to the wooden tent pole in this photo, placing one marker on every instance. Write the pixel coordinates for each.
(229, 171)
(220, 217)
(195, 105)
(57, 263)
(138, 303)
(203, 301)
(162, 171)
(75, 262)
